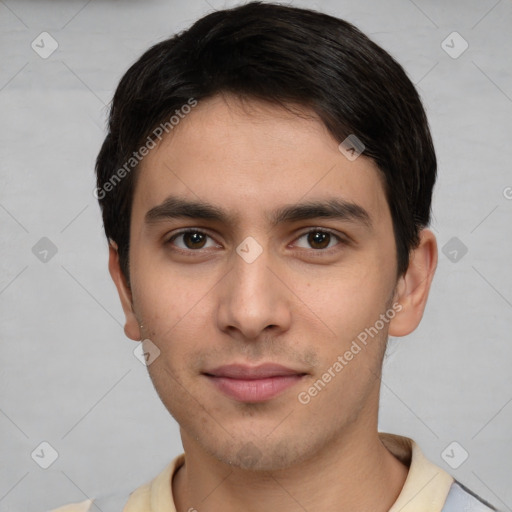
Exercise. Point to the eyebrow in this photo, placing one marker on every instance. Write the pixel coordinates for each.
(174, 208)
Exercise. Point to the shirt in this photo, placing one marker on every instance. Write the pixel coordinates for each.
(427, 488)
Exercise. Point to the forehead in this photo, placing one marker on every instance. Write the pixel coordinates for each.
(251, 157)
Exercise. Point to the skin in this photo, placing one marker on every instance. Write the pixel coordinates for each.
(297, 304)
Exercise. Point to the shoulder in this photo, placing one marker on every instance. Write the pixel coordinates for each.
(134, 501)
(461, 498)
(120, 502)
(82, 506)
(156, 490)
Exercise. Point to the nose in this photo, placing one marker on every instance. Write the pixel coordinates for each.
(254, 298)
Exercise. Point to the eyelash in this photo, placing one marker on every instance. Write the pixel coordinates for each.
(317, 252)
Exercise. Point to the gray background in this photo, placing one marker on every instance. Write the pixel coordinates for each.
(68, 374)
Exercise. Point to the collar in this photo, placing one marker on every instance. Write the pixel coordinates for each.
(425, 489)
(426, 486)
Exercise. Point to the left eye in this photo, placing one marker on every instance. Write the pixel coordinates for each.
(319, 239)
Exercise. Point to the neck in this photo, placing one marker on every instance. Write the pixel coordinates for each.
(354, 472)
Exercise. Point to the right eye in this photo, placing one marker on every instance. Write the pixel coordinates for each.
(190, 240)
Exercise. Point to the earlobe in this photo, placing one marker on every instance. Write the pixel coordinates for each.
(414, 286)
(131, 326)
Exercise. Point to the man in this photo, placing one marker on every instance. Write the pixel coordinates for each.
(266, 189)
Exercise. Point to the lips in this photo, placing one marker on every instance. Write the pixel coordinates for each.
(253, 383)
(263, 371)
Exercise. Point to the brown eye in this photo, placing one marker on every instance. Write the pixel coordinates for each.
(194, 240)
(191, 240)
(318, 239)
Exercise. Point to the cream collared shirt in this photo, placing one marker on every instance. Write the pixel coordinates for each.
(425, 490)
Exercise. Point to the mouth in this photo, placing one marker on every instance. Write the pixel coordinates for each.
(252, 384)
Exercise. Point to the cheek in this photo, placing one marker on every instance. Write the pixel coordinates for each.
(170, 305)
(350, 361)
(348, 304)
(347, 300)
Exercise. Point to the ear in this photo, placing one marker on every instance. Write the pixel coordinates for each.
(413, 287)
(131, 326)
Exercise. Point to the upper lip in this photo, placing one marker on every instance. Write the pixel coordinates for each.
(262, 371)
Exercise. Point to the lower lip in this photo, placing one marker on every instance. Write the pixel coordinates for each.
(256, 390)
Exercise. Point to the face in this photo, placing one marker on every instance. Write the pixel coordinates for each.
(255, 243)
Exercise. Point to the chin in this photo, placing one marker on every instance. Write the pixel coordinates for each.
(254, 455)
